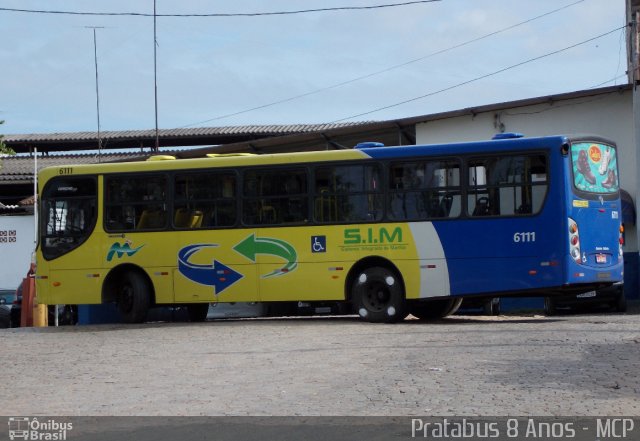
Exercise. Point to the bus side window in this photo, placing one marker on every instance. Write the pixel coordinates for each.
(204, 200)
(508, 185)
(136, 202)
(424, 190)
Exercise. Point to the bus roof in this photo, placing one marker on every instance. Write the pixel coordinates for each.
(486, 146)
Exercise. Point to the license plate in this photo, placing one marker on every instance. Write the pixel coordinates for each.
(586, 295)
(601, 258)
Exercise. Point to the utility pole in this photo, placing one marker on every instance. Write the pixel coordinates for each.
(95, 57)
(632, 257)
(155, 75)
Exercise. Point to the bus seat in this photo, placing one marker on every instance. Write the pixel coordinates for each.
(266, 213)
(181, 218)
(524, 209)
(150, 219)
(326, 207)
(445, 205)
(196, 219)
(482, 207)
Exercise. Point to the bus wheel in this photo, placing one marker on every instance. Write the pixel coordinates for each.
(549, 306)
(378, 296)
(133, 297)
(197, 312)
(434, 309)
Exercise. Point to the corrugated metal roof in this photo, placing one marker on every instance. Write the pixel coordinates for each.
(252, 130)
(19, 169)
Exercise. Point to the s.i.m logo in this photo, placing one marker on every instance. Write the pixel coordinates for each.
(373, 238)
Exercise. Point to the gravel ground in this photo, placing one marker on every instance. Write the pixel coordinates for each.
(508, 365)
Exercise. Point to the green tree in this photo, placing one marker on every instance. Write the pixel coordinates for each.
(3, 147)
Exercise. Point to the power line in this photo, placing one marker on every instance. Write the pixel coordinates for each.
(609, 81)
(530, 60)
(241, 14)
(388, 69)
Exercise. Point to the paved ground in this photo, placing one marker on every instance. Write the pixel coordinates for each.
(508, 365)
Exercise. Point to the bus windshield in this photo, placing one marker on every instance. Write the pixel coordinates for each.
(595, 167)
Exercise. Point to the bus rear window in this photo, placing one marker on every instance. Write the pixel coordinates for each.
(595, 167)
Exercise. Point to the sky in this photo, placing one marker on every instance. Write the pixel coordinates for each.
(315, 67)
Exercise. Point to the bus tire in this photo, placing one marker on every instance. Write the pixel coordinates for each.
(549, 306)
(197, 312)
(133, 297)
(491, 307)
(434, 309)
(377, 294)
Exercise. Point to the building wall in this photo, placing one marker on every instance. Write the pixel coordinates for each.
(16, 245)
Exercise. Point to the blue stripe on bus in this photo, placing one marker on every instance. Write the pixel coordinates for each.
(484, 147)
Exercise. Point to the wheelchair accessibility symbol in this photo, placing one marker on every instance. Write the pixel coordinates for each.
(319, 244)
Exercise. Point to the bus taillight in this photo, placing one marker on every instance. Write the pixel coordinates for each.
(621, 241)
(574, 241)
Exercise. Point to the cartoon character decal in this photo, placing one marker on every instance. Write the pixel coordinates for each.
(595, 167)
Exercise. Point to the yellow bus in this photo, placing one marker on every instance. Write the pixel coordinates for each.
(386, 230)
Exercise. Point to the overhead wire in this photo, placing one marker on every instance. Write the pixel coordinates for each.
(481, 77)
(614, 79)
(389, 5)
(240, 14)
(381, 71)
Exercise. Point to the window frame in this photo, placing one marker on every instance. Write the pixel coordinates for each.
(43, 219)
(175, 203)
(309, 171)
(383, 171)
(260, 198)
(167, 201)
(459, 190)
(469, 190)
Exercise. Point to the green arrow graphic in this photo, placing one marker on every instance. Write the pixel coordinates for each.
(253, 245)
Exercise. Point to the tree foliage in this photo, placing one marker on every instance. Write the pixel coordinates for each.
(4, 150)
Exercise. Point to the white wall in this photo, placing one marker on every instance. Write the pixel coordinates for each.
(16, 246)
(609, 115)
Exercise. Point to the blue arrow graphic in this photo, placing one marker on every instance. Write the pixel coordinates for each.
(217, 274)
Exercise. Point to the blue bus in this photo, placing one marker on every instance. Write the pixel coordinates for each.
(383, 231)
